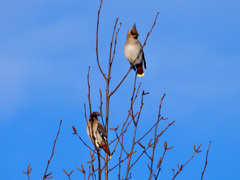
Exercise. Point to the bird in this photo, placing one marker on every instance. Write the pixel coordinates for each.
(96, 133)
(133, 51)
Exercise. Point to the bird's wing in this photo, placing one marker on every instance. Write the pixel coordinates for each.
(101, 131)
(144, 61)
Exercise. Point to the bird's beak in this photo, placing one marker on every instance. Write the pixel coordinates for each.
(135, 36)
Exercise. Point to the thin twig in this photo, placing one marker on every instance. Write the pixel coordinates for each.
(134, 134)
(108, 98)
(115, 44)
(121, 133)
(140, 110)
(47, 176)
(89, 100)
(149, 146)
(155, 137)
(75, 132)
(153, 150)
(68, 174)
(145, 42)
(97, 41)
(122, 147)
(83, 171)
(144, 151)
(159, 134)
(180, 168)
(159, 164)
(28, 171)
(161, 160)
(147, 132)
(85, 113)
(99, 164)
(120, 82)
(118, 164)
(129, 114)
(100, 107)
(206, 160)
(91, 166)
(110, 53)
(120, 156)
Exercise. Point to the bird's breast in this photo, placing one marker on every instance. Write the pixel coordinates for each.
(131, 53)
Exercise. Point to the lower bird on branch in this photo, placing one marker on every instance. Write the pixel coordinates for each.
(97, 134)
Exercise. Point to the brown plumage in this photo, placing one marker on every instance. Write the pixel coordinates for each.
(96, 133)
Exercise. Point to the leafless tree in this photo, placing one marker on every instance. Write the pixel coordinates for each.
(137, 149)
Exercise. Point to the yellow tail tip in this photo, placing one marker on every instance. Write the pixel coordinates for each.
(141, 75)
(110, 157)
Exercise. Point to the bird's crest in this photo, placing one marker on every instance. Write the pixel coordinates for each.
(134, 30)
(95, 114)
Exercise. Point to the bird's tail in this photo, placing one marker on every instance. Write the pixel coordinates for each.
(140, 70)
(106, 149)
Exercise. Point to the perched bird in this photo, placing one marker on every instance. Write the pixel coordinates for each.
(133, 51)
(97, 134)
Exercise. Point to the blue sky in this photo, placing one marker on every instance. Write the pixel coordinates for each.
(192, 55)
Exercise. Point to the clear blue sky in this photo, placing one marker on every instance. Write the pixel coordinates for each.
(193, 55)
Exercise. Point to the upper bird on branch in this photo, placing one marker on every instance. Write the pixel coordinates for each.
(133, 51)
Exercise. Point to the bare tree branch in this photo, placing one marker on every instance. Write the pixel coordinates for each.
(160, 160)
(85, 113)
(82, 170)
(97, 40)
(206, 160)
(180, 168)
(99, 165)
(145, 42)
(148, 131)
(28, 171)
(155, 137)
(75, 132)
(134, 135)
(115, 44)
(121, 82)
(47, 176)
(89, 100)
(145, 149)
(120, 156)
(110, 53)
(129, 114)
(68, 174)
(92, 170)
(107, 94)
(100, 107)
(118, 164)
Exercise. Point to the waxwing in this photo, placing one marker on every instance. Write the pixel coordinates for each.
(133, 51)
(96, 133)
